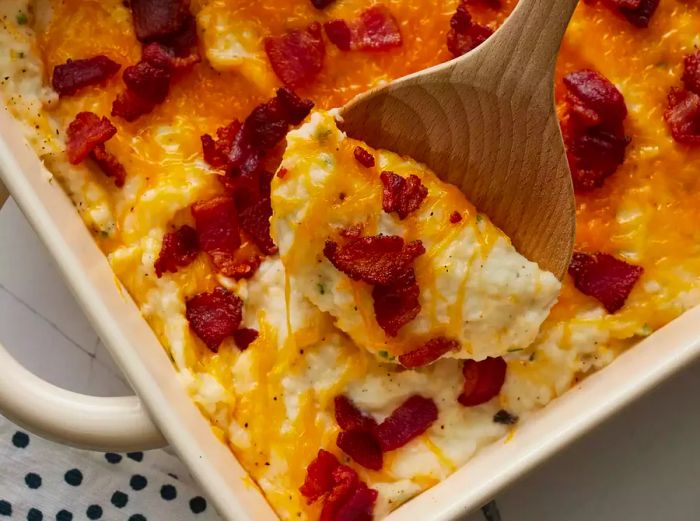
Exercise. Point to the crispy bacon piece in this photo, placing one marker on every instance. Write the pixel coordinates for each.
(592, 99)
(426, 354)
(155, 19)
(149, 82)
(165, 58)
(130, 106)
(214, 316)
(319, 476)
(345, 482)
(482, 380)
(379, 259)
(594, 133)
(362, 447)
(179, 249)
(605, 278)
(376, 29)
(493, 4)
(349, 417)
(244, 336)
(359, 506)
(109, 164)
(76, 74)
(84, 133)
(402, 195)
(255, 221)
(396, 304)
(217, 229)
(691, 72)
(238, 148)
(455, 217)
(683, 116)
(411, 419)
(363, 157)
(297, 56)
(465, 35)
(640, 16)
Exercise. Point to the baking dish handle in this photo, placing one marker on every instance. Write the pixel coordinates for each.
(90, 422)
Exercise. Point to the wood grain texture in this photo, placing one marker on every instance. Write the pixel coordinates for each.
(486, 122)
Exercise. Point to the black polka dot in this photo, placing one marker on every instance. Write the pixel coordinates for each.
(5, 508)
(113, 458)
(136, 456)
(34, 515)
(119, 499)
(137, 517)
(73, 477)
(168, 492)
(33, 480)
(198, 505)
(64, 515)
(94, 512)
(20, 439)
(138, 482)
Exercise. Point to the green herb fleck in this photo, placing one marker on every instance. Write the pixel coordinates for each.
(321, 288)
(505, 418)
(515, 349)
(20, 54)
(104, 234)
(645, 330)
(386, 355)
(21, 18)
(479, 217)
(322, 135)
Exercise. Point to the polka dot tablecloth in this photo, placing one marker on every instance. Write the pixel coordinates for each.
(44, 481)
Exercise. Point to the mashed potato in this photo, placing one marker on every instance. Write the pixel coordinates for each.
(474, 287)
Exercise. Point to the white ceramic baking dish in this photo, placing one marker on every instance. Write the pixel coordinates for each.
(163, 411)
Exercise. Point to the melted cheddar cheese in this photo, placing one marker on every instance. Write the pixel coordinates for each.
(273, 402)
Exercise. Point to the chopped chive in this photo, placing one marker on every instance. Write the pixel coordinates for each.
(21, 18)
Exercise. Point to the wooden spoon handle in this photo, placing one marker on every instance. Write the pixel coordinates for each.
(528, 42)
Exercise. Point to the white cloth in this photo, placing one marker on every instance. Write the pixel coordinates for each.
(45, 481)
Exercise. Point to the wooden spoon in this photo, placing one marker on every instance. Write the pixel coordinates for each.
(486, 122)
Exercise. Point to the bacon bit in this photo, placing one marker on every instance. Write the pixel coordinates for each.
(179, 249)
(345, 482)
(294, 108)
(216, 151)
(321, 4)
(683, 116)
(244, 337)
(362, 447)
(426, 354)
(360, 505)
(691, 72)
(319, 476)
(214, 316)
(396, 304)
(130, 106)
(455, 217)
(155, 19)
(363, 157)
(164, 58)
(465, 35)
(255, 221)
(282, 172)
(183, 43)
(482, 380)
(402, 195)
(84, 133)
(640, 16)
(379, 259)
(217, 229)
(605, 278)
(592, 99)
(411, 419)
(297, 56)
(109, 164)
(594, 133)
(493, 4)
(376, 29)
(76, 74)
(349, 417)
(147, 81)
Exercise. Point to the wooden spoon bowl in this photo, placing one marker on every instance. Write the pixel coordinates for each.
(486, 122)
